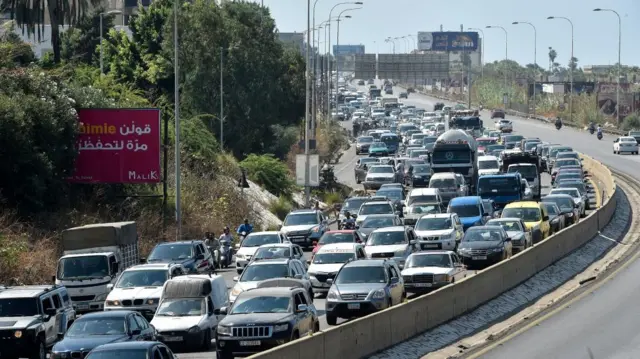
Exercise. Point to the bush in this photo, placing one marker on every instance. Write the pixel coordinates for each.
(331, 198)
(631, 122)
(269, 172)
(281, 207)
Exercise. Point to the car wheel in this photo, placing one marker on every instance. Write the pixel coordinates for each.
(206, 343)
(316, 327)
(224, 355)
(331, 319)
(40, 352)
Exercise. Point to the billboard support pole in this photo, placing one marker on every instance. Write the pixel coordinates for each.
(165, 172)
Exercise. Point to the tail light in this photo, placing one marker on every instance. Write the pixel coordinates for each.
(315, 243)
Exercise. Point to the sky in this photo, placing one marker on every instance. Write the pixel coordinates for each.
(595, 33)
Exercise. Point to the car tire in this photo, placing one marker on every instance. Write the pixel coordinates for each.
(223, 355)
(316, 327)
(206, 341)
(331, 319)
(40, 352)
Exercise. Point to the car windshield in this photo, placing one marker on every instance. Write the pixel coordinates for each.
(418, 153)
(486, 141)
(552, 209)
(301, 219)
(182, 307)
(569, 176)
(565, 204)
(492, 148)
(85, 267)
(426, 198)
(481, 235)
(573, 192)
(368, 161)
(333, 257)
(506, 184)
(554, 151)
(526, 214)
(488, 165)
(429, 139)
(18, 307)
(513, 138)
(378, 144)
(530, 145)
(367, 139)
(421, 169)
(258, 272)
(564, 155)
(442, 183)
(528, 172)
(395, 195)
(465, 210)
(256, 240)
(377, 222)
(381, 169)
(119, 354)
(420, 208)
(365, 274)
(272, 252)
(386, 238)
(508, 226)
(382, 208)
(336, 237)
(353, 205)
(142, 278)
(261, 304)
(171, 252)
(429, 260)
(433, 224)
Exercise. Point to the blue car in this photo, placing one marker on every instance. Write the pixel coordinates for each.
(95, 329)
(470, 209)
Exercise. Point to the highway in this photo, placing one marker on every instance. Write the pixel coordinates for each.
(604, 323)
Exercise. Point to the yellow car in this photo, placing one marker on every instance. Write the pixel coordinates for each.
(534, 215)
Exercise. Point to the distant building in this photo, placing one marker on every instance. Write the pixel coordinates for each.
(295, 39)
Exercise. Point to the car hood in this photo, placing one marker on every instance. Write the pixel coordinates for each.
(167, 323)
(353, 288)
(245, 286)
(254, 319)
(366, 231)
(87, 343)
(381, 175)
(385, 249)
(247, 251)
(422, 270)
(18, 322)
(488, 172)
(135, 293)
(301, 228)
(324, 268)
(480, 245)
(438, 233)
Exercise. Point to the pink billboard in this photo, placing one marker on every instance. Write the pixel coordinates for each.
(118, 146)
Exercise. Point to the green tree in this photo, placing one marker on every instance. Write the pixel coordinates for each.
(552, 58)
(79, 43)
(13, 51)
(268, 171)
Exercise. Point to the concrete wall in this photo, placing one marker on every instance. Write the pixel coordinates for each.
(366, 336)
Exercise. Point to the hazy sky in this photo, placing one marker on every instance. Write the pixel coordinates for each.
(596, 33)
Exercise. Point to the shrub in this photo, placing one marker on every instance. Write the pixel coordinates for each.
(268, 171)
(331, 198)
(631, 122)
(280, 207)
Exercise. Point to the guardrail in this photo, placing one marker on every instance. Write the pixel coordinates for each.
(365, 336)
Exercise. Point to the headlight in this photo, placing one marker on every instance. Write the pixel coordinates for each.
(333, 295)
(115, 303)
(224, 330)
(236, 291)
(18, 334)
(280, 328)
(401, 252)
(59, 355)
(464, 250)
(100, 297)
(378, 294)
(153, 301)
(194, 329)
(441, 278)
(570, 214)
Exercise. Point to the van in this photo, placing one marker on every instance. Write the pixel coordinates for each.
(471, 211)
(185, 315)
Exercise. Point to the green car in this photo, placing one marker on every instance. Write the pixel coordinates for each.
(378, 149)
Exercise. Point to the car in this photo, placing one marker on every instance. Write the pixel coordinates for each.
(339, 236)
(556, 218)
(426, 271)
(635, 134)
(504, 126)
(364, 287)
(521, 237)
(392, 242)
(417, 210)
(497, 113)
(544, 156)
(582, 188)
(450, 185)
(265, 318)
(256, 272)
(135, 349)
(362, 167)
(625, 144)
(534, 215)
(568, 154)
(470, 210)
(439, 231)
(279, 250)
(328, 261)
(575, 194)
(94, 329)
(566, 205)
(194, 256)
(403, 95)
(527, 191)
(568, 176)
(363, 143)
(394, 194)
(485, 245)
(529, 172)
(360, 82)
(511, 141)
(251, 243)
(553, 152)
(563, 163)
(304, 226)
(370, 82)
(351, 205)
(379, 175)
(488, 165)
(375, 221)
(32, 318)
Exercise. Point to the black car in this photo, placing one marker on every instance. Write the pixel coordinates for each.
(95, 329)
(403, 95)
(419, 175)
(132, 350)
(360, 82)
(566, 205)
(438, 106)
(194, 256)
(484, 245)
(497, 113)
(263, 318)
(556, 217)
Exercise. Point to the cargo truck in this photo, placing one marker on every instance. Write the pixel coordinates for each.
(502, 188)
(93, 257)
(456, 151)
(528, 165)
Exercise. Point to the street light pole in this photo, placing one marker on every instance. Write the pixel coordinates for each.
(313, 79)
(221, 98)
(338, 45)
(112, 12)
(176, 111)
(415, 41)
(481, 49)
(570, 65)
(393, 44)
(506, 50)
(619, 60)
(535, 59)
(307, 187)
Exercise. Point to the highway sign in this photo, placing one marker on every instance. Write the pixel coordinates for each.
(365, 66)
(447, 41)
(413, 67)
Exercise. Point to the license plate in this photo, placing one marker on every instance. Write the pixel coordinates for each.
(172, 339)
(250, 343)
(353, 306)
(431, 245)
(479, 258)
(297, 239)
(82, 306)
(422, 284)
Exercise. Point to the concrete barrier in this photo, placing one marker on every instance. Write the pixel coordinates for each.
(365, 336)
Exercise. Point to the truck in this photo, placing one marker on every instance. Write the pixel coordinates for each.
(472, 124)
(388, 101)
(456, 151)
(93, 257)
(528, 165)
(501, 188)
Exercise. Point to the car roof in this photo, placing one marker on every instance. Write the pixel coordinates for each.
(465, 200)
(437, 215)
(272, 245)
(557, 195)
(264, 233)
(522, 204)
(504, 219)
(389, 166)
(302, 211)
(375, 202)
(487, 158)
(423, 191)
(440, 175)
(108, 314)
(151, 266)
(341, 246)
(178, 243)
(365, 263)
(485, 227)
(268, 292)
(384, 215)
(349, 231)
(126, 345)
(390, 229)
(27, 291)
(272, 261)
(522, 165)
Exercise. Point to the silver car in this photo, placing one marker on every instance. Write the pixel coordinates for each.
(516, 229)
(449, 185)
(363, 287)
(379, 175)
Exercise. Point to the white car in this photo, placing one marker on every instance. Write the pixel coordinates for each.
(391, 242)
(258, 271)
(488, 165)
(379, 175)
(504, 125)
(328, 260)
(252, 242)
(625, 144)
(374, 207)
(439, 231)
(578, 201)
(429, 270)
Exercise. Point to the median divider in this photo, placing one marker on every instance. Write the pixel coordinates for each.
(365, 336)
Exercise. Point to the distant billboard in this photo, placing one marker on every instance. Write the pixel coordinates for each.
(339, 50)
(447, 41)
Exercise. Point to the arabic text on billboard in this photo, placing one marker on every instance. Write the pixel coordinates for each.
(118, 146)
(348, 50)
(447, 41)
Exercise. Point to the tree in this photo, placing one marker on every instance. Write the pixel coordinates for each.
(79, 43)
(552, 58)
(573, 64)
(30, 15)
(13, 51)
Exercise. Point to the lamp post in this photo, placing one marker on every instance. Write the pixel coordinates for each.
(481, 49)
(307, 187)
(314, 75)
(338, 45)
(112, 12)
(570, 64)
(393, 44)
(176, 112)
(619, 60)
(415, 41)
(403, 43)
(535, 59)
(506, 50)
(334, 55)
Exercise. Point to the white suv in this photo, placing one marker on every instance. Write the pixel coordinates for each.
(439, 231)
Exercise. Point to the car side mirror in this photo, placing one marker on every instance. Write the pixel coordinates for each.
(60, 336)
(136, 332)
(302, 308)
(237, 246)
(143, 260)
(357, 227)
(110, 287)
(508, 239)
(221, 311)
(412, 242)
(236, 278)
(485, 214)
(545, 218)
(298, 276)
(576, 205)
(329, 281)
(395, 280)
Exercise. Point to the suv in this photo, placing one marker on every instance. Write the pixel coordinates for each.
(33, 319)
(363, 287)
(304, 226)
(194, 256)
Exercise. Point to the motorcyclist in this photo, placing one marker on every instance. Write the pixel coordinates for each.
(558, 122)
(349, 222)
(592, 127)
(245, 227)
(599, 130)
(213, 244)
(225, 240)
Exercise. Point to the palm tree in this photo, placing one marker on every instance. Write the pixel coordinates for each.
(30, 16)
(552, 57)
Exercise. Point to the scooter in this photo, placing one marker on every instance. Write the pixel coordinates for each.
(591, 130)
(225, 254)
(599, 135)
(558, 126)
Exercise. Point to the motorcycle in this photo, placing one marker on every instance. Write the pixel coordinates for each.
(558, 126)
(592, 130)
(225, 254)
(599, 135)
(349, 225)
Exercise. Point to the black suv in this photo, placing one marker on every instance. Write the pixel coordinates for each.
(33, 319)
(263, 318)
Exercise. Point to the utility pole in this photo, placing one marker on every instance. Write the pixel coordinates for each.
(307, 187)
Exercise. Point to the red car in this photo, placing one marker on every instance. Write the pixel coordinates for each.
(331, 237)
